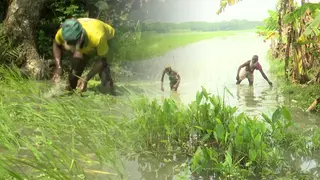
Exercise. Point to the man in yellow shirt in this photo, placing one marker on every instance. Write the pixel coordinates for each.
(84, 37)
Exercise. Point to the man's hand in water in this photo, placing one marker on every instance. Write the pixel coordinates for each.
(270, 83)
(162, 89)
(56, 75)
(82, 85)
(175, 87)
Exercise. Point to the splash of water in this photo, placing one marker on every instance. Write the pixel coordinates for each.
(56, 90)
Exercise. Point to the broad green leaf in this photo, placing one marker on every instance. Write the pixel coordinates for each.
(265, 117)
(238, 140)
(205, 93)
(220, 131)
(228, 159)
(286, 114)
(252, 155)
(198, 127)
(276, 115)
(199, 98)
(257, 140)
(212, 153)
(205, 137)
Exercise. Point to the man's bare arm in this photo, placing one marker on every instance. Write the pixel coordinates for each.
(242, 65)
(178, 76)
(57, 51)
(163, 73)
(264, 75)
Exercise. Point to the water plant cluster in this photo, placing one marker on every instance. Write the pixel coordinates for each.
(86, 137)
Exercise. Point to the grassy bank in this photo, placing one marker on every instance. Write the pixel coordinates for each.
(303, 95)
(151, 44)
(74, 137)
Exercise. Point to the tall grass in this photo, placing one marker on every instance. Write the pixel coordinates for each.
(57, 137)
(76, 137)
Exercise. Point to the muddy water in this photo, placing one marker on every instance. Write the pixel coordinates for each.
(213, 64)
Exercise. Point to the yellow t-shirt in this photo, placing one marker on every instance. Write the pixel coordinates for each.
(98, 34)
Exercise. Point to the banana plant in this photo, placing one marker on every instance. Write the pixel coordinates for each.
(225, 3)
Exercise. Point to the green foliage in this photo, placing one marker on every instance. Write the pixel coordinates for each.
(221, 142)
(313, 26)
(55, 14)
(225, 3)
(65, 137)
(55, 138)
(299, 12)
(9, 54)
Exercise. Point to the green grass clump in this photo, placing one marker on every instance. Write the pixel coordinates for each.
(60, 137)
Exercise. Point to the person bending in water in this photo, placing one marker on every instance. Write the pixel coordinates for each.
(246, 71)
(84, 37)
(174, 78)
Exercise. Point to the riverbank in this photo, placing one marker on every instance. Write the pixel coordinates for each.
(301, 96)
(151, 44)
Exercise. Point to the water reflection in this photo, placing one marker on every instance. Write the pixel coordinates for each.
(207, 64)
(246, 94)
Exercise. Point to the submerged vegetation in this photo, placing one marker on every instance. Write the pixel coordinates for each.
(70, 137)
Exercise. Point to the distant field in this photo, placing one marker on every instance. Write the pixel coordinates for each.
(157, 44)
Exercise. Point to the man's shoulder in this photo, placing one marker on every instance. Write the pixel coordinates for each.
(258, 66)
(96, 28)
(92, 22)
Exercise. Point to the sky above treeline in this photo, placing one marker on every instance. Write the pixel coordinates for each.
(205, 10)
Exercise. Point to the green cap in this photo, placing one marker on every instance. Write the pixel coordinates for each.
(71, 31)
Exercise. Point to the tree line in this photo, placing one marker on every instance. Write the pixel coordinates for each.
(163, 27)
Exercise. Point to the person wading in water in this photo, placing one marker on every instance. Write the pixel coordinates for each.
(174, 78)
(85, 38)
(246, 71)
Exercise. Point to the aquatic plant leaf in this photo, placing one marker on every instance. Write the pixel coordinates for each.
(205, 92)
(286, 114)
(205, 137)
(252, 155)
(238, 140)
(198, 127)
(257, 140)
(220, 131)
(199, 98)
(229, 92)
(266, 118)
(276, 115)
(228, 158)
